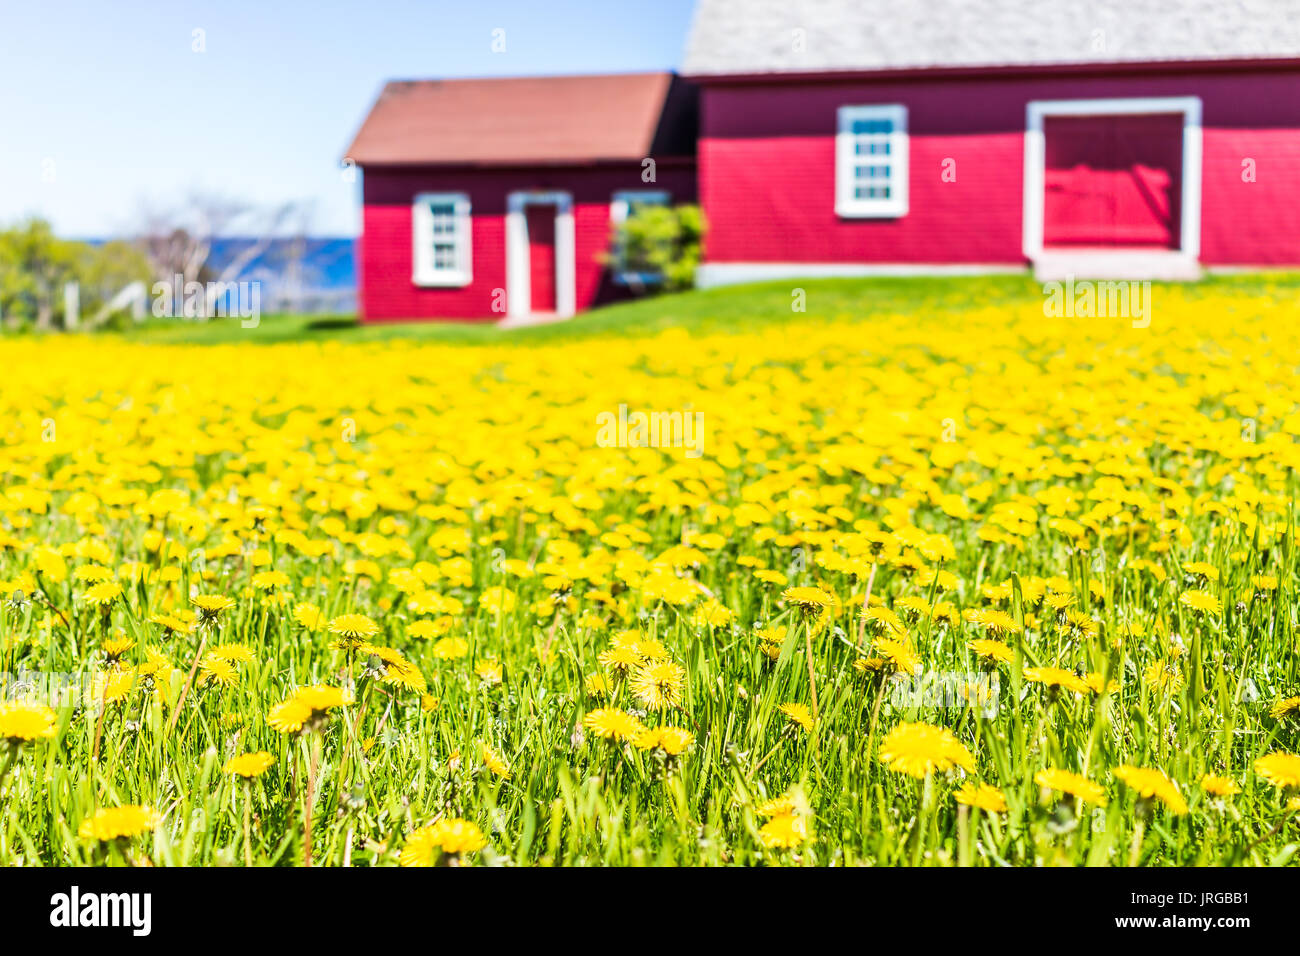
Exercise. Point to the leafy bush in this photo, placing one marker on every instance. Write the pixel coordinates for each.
(661, 242)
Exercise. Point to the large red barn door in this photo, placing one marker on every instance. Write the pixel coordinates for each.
(1112, 181)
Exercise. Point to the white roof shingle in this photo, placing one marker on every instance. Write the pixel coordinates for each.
(760, 36)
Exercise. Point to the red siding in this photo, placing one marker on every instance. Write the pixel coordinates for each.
(385, 288)
(766, 161)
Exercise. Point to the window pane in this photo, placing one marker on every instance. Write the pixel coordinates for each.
(872, 126)
(444, 256)
(443, 217)
(877, 191)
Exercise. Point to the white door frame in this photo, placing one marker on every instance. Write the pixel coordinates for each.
(1189, 245)
(518, 284)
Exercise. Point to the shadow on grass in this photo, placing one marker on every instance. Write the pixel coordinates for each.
(331, 324)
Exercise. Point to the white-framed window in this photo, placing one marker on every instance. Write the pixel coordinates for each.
(871, 162)
(622, 204)
(440, 227)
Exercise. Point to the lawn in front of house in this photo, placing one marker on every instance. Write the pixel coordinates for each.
(951, 581)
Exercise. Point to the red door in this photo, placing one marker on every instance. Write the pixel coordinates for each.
(541, 257)
(1112, 181)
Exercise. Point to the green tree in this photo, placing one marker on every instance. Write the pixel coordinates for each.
(105, 270)
(35, 265)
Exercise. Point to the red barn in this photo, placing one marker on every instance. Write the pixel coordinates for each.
(495, 198)
(1116, 138)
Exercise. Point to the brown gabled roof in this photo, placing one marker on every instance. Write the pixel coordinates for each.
(519, 120)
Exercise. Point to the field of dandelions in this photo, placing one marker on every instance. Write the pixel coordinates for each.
(962, 587)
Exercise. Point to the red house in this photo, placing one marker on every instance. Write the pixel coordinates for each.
(496, 198)
(1115, 138)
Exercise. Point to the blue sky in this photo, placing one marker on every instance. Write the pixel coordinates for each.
(105, 106)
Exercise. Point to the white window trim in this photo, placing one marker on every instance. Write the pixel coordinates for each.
(1189, 244)
(518, 282)
(423, 271)
(849, 206)
(620, 205)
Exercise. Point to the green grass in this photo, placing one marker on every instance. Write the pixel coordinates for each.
(478, 475)
(726, 309)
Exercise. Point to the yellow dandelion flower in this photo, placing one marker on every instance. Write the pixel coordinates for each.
(1097, 683)
(612, 723)
(1200, 601)
(454, 837)
(210, 607)
(1218, 786)
(307, 616)
(103, 594)
(1289, 707)
(992, 650)
(450, 648)
(1280, 769)
(93, 572)
(1053, 677)
(118, 823)
(992, 620)
(353, 630)
(306, 707)
(23, 723)
(658, 684)
(982, 796)
(1163, 675)
(218, 670)
(1150, 783)
(115, 647)
(249, 765)
(235, 653)
(808, 598)
(1053, 778)
(495, 763)
(799, 714)
(489, 671)
(671, 740)
(899, 655)
(918, 749)
(785, 804)
(785, 831)
(619, 658)
(270, 580)
(882, 620)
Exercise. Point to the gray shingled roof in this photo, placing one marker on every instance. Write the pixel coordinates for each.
(758, 36)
